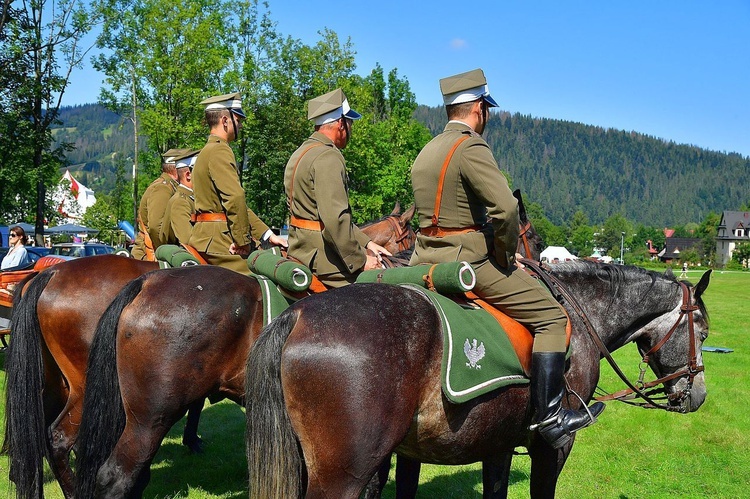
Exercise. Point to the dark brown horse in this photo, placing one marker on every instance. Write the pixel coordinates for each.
(348, 384)
(144, 309)
(54, 325)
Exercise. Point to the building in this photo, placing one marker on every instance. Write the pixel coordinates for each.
(674, 246)
(734, 228)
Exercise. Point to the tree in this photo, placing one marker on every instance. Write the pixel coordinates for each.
(164, 58)
(741, 254)
(610, 237)
(40, 46)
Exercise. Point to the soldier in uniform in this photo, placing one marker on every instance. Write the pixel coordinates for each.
(177, 224)
(467, 212)
(224, 223)
(321, 233)
(151, 209)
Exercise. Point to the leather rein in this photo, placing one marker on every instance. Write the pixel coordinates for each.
(523, 239)
(639, 389)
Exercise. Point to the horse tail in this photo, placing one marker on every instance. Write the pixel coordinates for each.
(274, 459)
(103, 418)
(25, 432)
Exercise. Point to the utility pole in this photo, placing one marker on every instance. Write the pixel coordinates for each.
(622, 247)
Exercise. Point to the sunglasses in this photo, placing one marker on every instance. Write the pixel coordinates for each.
(13, 234)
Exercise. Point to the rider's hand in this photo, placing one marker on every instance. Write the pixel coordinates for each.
(278, 241)
(234, 249)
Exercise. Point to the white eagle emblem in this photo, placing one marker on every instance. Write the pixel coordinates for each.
(474, 353)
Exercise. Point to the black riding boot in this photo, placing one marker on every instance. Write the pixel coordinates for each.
(555, 423)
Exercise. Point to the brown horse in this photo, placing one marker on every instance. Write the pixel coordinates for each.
(53, 327)
(147, 308)
(333, 387)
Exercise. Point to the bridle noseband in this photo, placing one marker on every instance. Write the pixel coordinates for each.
(638, 389)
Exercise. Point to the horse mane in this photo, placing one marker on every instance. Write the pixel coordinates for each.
(618, 275)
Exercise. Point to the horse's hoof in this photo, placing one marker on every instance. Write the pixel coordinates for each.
(194, 444)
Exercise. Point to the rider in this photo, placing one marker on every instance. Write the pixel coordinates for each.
(224, 223)
(177, 224)
(467, 212)
(321, 233)
(151, 209)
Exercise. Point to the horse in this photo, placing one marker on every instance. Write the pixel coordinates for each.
(53, 327)
(136, 310)
(334, 387)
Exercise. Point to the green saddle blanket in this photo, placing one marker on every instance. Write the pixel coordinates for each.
(477, 354)
(273, 301)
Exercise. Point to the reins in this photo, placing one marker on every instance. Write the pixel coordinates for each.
(634, 390)
(523, 240)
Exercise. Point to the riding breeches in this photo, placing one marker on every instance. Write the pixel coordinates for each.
(526, 300)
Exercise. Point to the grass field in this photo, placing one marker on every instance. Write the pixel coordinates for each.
(630, 453)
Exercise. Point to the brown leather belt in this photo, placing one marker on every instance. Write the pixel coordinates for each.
(210, 217)
(306, 224)
(447, 231)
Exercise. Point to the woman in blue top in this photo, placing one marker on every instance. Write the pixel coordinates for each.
(17, 254)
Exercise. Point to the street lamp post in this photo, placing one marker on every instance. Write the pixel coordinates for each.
(622, 246)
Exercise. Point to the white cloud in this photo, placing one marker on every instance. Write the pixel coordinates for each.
(459, 44)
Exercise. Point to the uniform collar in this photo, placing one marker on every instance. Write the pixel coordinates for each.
(216, 138)
(458, 125)
(319, 137)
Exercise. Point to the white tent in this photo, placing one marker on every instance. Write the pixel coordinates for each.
(72, 197)
(556, 254)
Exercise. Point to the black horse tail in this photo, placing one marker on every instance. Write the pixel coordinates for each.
(25, 427)
(103, 419)
(273, 455)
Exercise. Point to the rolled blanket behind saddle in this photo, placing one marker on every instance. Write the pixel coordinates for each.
(445, 278)
(175, 256)
(284, 272)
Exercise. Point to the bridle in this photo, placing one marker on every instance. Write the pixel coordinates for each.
(404, 235)
(639, 389)
(523, 240)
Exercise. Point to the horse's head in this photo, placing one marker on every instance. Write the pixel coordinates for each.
(672, 345)
(530, 243)
(393, 232)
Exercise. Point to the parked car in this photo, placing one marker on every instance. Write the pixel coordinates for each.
(81, 249)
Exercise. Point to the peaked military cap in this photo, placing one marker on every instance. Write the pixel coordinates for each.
(466, 87)
(330, 107)
(187, 159)
(233, 102)
(169, 156)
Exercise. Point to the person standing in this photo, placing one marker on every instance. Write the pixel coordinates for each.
(321, 233)
(178, 225)
(152, 207)
(467, 212)
(17, 254)
(224, 223)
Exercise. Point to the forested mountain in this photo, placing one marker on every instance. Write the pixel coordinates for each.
(566, 166)
(561, 165)
(95, 134)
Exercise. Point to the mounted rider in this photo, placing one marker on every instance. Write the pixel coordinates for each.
(152, 207)
(322, 234)
(467, 212)
(178, 216)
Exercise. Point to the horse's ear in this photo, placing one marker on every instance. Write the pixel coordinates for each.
(396, 209)
(521, 207)
(668, 273)
(408, 214)
(700, 288)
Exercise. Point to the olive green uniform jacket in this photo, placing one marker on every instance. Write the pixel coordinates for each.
(151, 213)
(217, 189)
(177, 225)
(475, 193)
(337, 253)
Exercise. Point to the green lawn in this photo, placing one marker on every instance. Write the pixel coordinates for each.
(630, 453)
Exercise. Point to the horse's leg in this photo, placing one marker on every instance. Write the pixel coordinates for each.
(495, 476)
(374, 488)
(407, 477)
(62, 436)
(546, 465)
(125, 473)
(190, 436)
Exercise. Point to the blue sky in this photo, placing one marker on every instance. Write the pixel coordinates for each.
(677, 70)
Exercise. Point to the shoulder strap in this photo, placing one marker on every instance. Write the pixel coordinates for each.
(441, 180)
